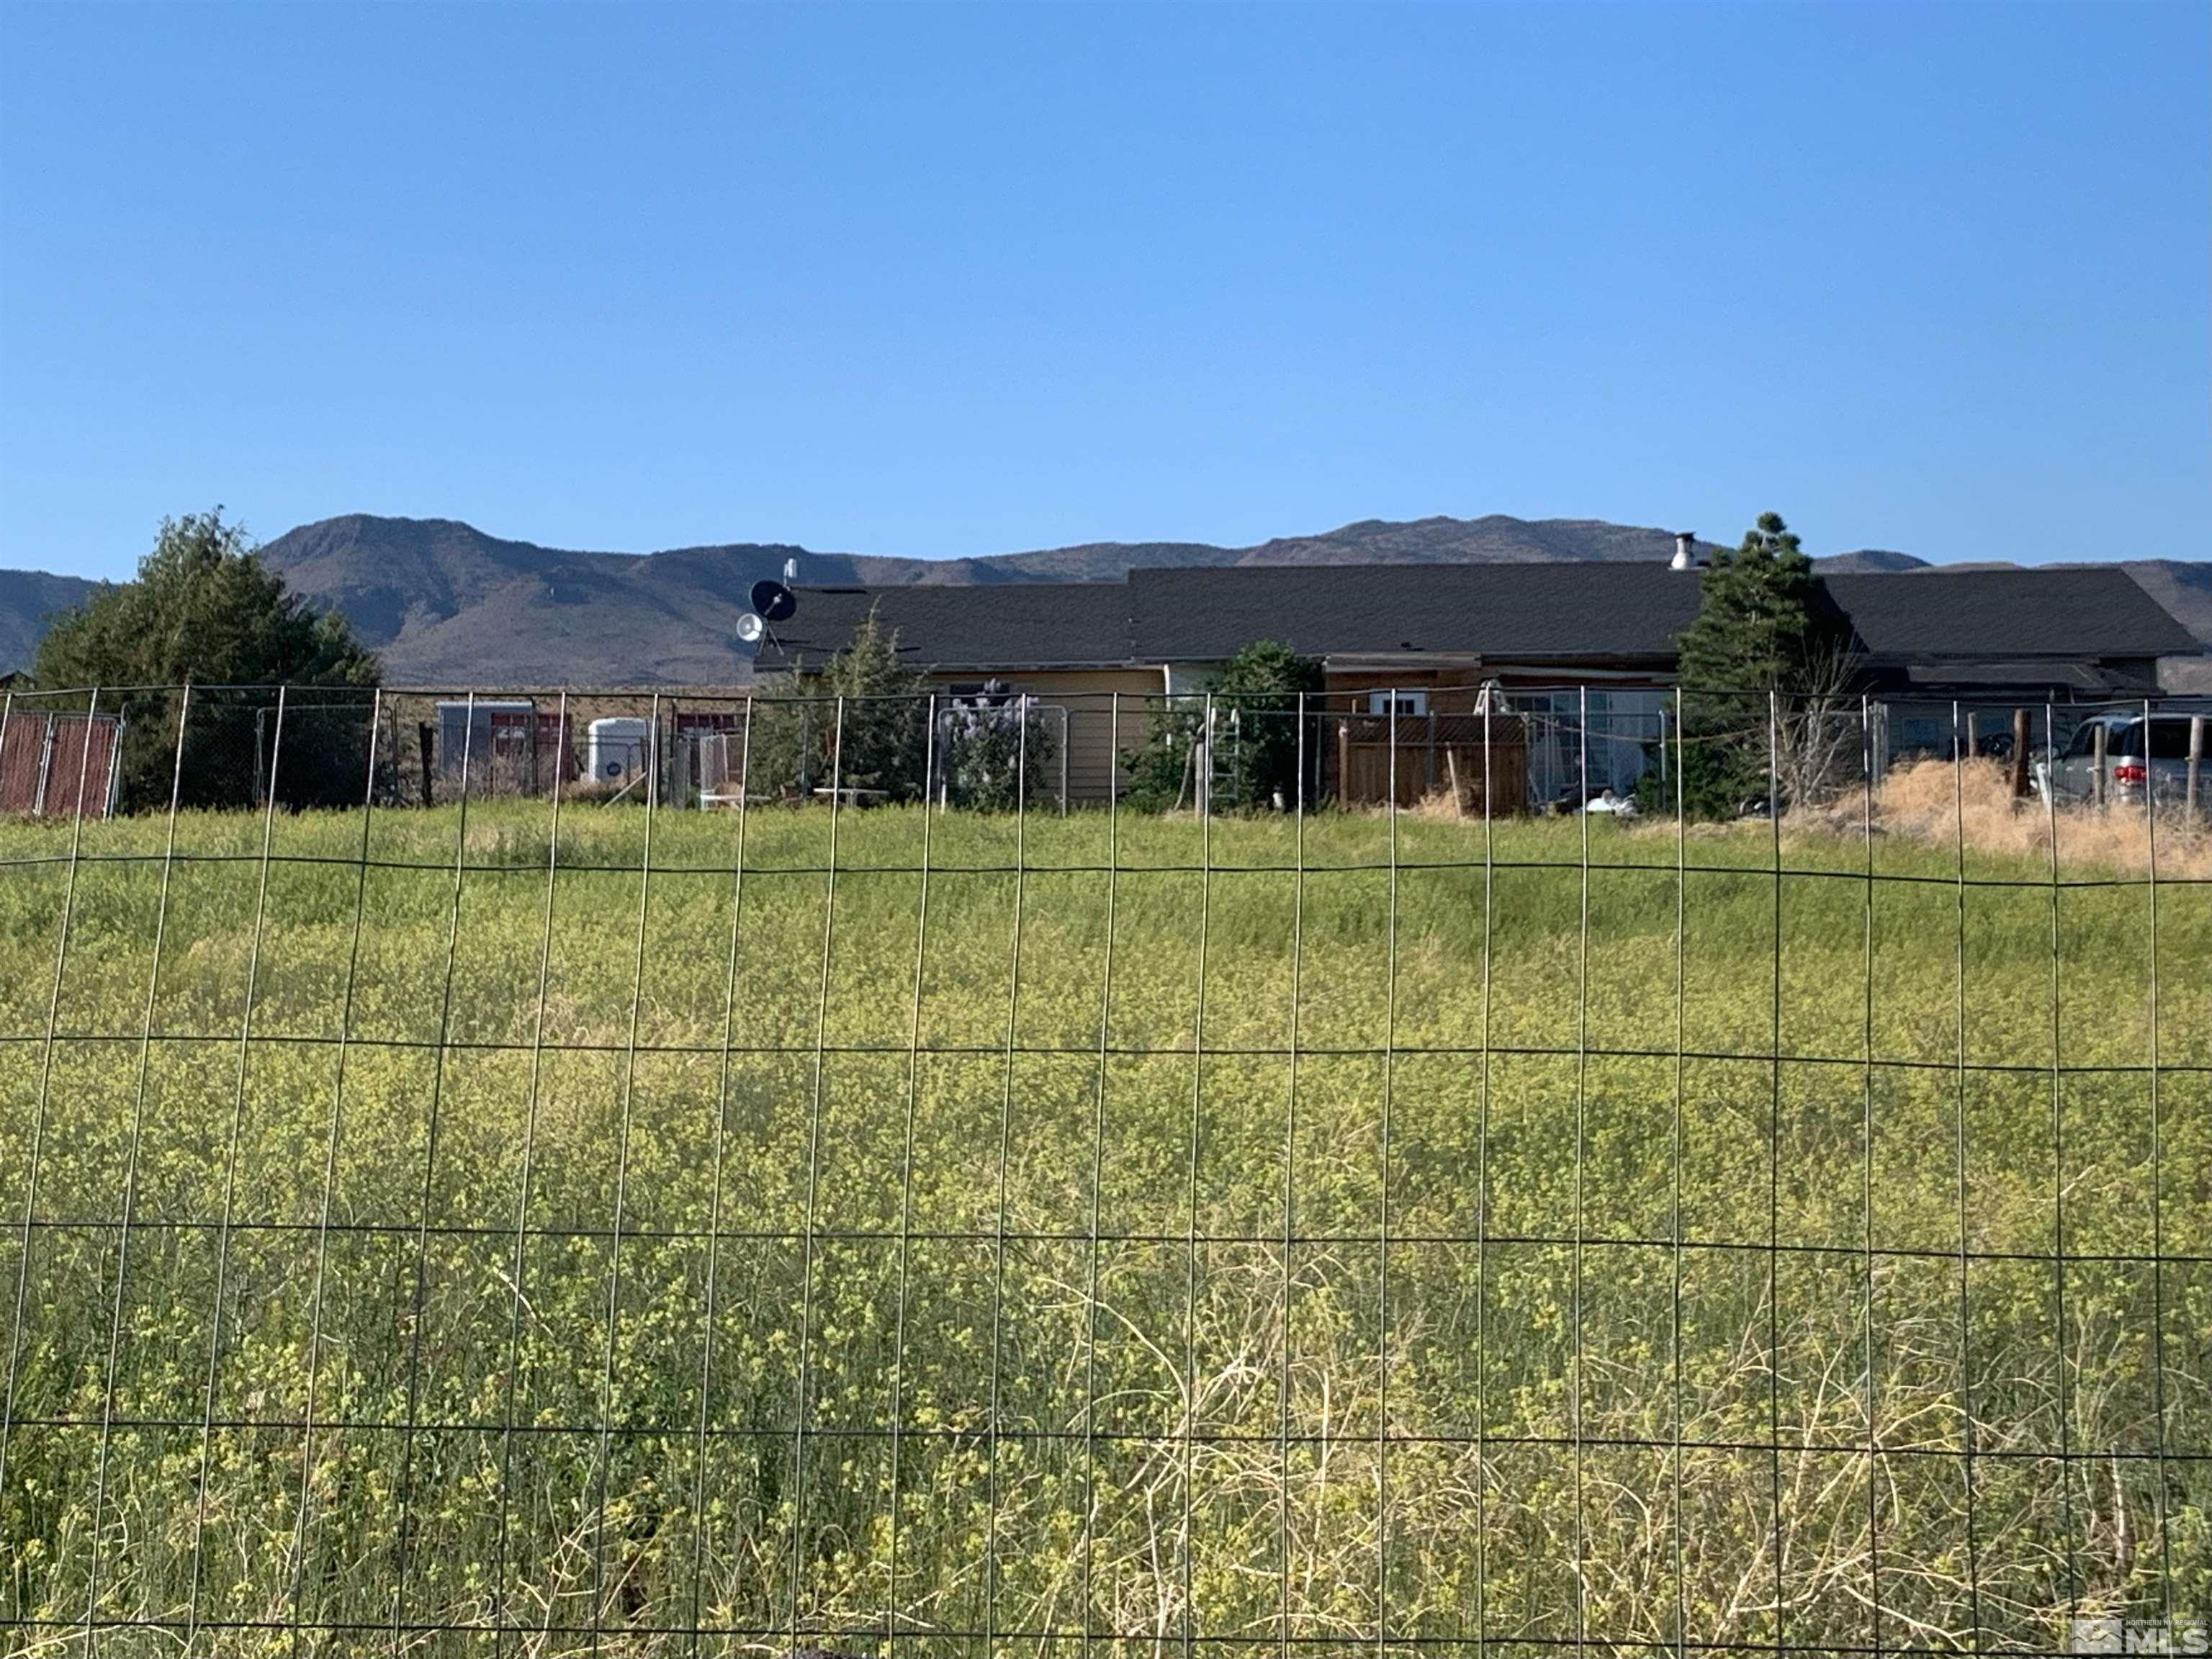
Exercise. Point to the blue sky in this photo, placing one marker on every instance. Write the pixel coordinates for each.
(941, 281)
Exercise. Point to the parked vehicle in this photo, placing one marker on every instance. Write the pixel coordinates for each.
(2141, 754)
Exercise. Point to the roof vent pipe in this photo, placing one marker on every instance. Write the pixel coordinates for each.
(1685, 550)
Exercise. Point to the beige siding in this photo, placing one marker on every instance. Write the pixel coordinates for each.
(1087, 695)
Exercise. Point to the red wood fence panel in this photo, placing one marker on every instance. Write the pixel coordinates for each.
(55, 765)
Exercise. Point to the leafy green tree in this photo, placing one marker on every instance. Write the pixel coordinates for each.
(1759, 631)
(881, 744)
(1257, 697)
(1159, 768)
(204, 609)
(1255, 735)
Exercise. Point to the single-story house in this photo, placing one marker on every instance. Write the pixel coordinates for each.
(1065, 643)
(1560, 639)
(1925, 639)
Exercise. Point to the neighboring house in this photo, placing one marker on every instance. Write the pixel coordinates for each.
(1926, 639)
(1562, 639)
(1067, 643)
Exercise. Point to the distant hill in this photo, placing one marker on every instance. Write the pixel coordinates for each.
(28, 599)
(1872, 558)
(448, 604)
(1371, 541)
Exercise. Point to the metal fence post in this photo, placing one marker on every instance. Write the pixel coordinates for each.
(45, 769)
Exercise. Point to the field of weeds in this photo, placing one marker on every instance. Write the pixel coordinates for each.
(963, 1234)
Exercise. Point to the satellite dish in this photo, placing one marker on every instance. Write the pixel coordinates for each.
(772, 600)
(750, 627)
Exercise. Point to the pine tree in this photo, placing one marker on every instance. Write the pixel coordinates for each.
(1759, 632)
(876, 744)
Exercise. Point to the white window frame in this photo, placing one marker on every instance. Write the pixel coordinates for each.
(1415, 703)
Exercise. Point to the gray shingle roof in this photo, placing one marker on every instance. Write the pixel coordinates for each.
(989, 625)
(2059, 674)
(2007, 613)
(1593, 610)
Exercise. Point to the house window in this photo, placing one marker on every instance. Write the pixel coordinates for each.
(1409, 702)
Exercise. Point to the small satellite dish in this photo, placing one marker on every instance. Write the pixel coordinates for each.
(750, 627)
(772, 600)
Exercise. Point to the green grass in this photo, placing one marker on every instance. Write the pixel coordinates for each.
(1503, 1086)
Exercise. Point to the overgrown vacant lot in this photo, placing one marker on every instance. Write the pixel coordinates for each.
(461, 1269)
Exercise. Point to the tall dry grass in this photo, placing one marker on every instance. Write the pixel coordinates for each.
(1932, 804)
(1935, 804)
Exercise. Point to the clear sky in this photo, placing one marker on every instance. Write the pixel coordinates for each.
(940, 281)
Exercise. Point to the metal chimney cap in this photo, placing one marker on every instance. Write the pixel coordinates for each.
(1685, 550)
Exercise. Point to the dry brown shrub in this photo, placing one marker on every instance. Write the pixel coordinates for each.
(1441, 805)
(1934, 802)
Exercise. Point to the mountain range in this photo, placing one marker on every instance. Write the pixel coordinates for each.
(28, 599)
(445, 604)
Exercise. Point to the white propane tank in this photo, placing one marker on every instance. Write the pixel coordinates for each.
(615, 749)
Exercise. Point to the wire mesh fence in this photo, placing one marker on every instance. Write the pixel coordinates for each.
(815, 1185)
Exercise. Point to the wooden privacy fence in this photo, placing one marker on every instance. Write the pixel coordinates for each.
(56, 765)
(1436, 754)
